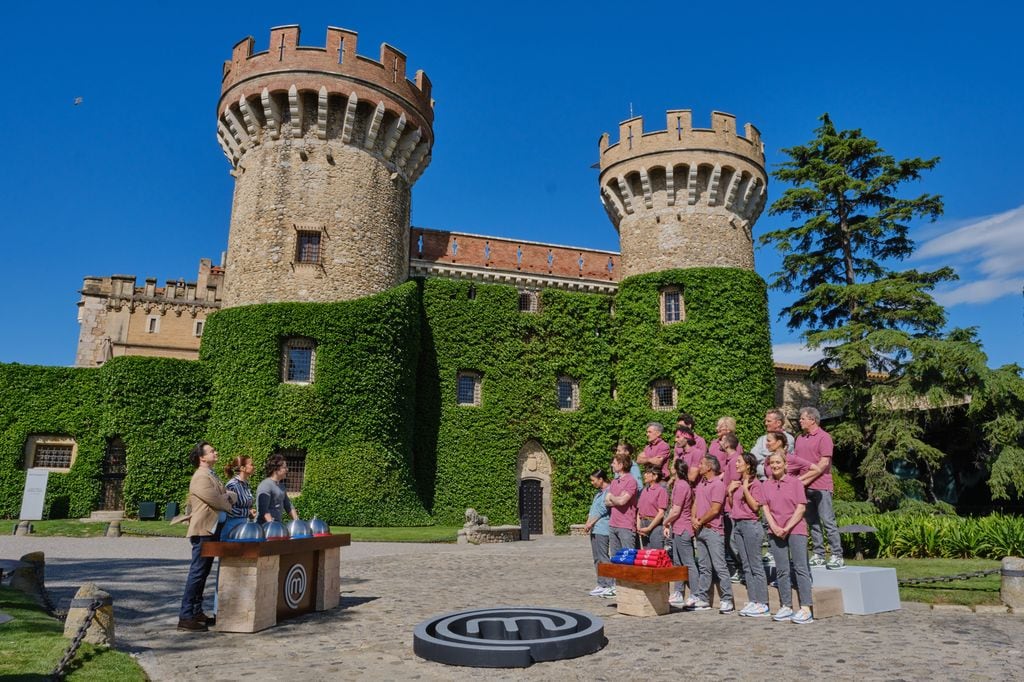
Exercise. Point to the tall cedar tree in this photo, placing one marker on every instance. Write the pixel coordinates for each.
(865, 317)
(893, 379)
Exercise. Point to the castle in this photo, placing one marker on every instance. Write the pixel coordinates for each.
(408, 373)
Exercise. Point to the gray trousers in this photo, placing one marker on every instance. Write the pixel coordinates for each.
(710, 548)
(599, 548)
(619, 538)
(655, 539)
(820, 514)
(748, 536)
(682, 555)
(792, 547)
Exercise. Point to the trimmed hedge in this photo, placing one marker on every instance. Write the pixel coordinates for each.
(921, 536)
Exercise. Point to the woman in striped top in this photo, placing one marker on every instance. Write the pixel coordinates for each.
(239, 469)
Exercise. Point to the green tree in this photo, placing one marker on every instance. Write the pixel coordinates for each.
(866, 318)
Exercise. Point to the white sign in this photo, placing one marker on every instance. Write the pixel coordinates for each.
(35, 494)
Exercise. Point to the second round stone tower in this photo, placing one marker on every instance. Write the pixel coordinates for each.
(683, 197)
(325, 146)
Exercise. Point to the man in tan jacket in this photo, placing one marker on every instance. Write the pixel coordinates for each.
(207, 497)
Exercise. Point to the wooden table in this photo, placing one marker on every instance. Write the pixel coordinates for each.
(262, 583)
(642, 590)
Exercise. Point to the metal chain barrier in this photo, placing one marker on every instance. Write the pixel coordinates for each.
(50, 609)
(949, 578)
(69, 655)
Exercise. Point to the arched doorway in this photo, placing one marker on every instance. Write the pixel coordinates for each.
(534, 476)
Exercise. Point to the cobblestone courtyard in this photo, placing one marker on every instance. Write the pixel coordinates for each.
(388, 588)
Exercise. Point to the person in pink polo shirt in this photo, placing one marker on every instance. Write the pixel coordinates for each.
(813, 454)
(725, 425)
(731, 450)
(621, 497)
(650, 509)
(679, 525)
(709, 536)
(785, 502)
(656, 451)
(743, 500)
(685, 433)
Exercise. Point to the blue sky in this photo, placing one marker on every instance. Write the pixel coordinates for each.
(132, 179)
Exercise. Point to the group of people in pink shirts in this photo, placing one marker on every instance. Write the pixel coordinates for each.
(712, 506)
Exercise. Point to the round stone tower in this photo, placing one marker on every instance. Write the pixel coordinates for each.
(683, 197)
(325, 146)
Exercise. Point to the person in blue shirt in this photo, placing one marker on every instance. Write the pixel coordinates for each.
(597, 527)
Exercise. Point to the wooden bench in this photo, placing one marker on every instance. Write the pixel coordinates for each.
(828, 601)
(262, 583)
(642, 590)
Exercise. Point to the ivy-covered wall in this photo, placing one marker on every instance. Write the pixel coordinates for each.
(386, 443)
(157, 406)
(355, 421)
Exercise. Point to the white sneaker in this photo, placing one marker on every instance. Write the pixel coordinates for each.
(758, 611)
(676, 599)
(691, 603)
(701, 605)
(746, 607)
(597, 591)
(609, 593)
(803, 617)
(726, 606)
(785, 613)
(817, 560)
(835, 563)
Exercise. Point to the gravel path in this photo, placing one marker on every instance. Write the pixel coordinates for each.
(387, 588)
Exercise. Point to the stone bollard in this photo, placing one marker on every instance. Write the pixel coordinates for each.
(114, 529)
(32, 579)
(101, 628)
(1011, 590)
(23, 528)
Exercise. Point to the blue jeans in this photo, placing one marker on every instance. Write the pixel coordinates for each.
(195, 584)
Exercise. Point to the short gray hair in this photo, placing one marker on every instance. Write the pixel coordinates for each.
(777, 414)
(657, 426)
(713, 463)
(812, 413)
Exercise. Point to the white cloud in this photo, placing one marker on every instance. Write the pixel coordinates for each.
(991, 246)
(795, 354)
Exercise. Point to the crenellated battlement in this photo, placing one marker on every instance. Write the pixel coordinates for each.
(680, 135)
(684, 196)
(300, 95)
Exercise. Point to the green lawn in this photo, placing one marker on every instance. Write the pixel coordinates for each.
(72, 528)
(33, 643)
(967, 592)
(410, 534)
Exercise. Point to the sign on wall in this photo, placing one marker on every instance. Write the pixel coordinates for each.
(34, 495)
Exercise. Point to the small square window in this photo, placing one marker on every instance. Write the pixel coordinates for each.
(672, 306)
(468, 388)
(153, 324)
(663, 395)
(307, 247)
(568, 394)
(298, 359)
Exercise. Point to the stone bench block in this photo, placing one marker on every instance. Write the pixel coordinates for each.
(866, 589)
(828, 601)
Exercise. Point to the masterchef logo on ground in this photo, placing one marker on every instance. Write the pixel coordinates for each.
(508, 636)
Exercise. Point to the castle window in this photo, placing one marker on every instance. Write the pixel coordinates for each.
(568, 394)
(56, 453)
(527, 301)
(468, 388)
(307, 247)
(672, 307)
(298, 358)
(198, 329)
(663, 395)
(153, 324)
(296, 460)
